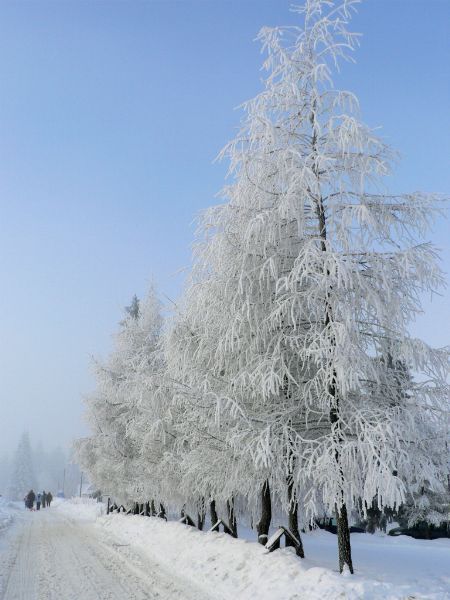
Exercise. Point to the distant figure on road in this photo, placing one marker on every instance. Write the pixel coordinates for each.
(31, 496)
(44, 499)
(49, 498)
(38, 501)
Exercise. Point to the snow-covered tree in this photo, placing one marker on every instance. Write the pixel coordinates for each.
(304, 277)
(288, 374)
(112, 455)
(426, 507)
(22, 477)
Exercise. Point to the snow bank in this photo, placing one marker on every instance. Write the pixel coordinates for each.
(234, 569)
(228, 569)
(84, 509)
(5, 513)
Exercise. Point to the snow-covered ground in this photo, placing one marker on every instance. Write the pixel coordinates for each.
(73, 550)
(6, 513)
(387, 568)
(59, 554)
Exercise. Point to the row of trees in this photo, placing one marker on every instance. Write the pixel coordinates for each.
(286, 375)
(38, 468)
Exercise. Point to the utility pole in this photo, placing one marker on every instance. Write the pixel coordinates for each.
(81, 482)
(64, 483)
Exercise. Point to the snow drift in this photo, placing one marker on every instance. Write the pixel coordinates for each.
(5, 513)
(229, 568)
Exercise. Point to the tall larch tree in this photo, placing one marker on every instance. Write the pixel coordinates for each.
(305, 278)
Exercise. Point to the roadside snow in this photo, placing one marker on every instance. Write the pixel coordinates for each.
(6, 512)
(58, 553)
(73, 550)
(83, 509)
(237, 569)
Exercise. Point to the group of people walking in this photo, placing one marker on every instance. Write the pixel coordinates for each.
(42, 499)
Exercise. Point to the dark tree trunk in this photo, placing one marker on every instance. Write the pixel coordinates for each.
(266, 514)
(293, 516)
(343, 533)
(213, 513)
(147, 509)
(152, 508)
(343, 530)
(201, 515)
(232, 517)
(373, 518)
(162, 510)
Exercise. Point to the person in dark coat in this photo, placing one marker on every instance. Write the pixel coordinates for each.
(49, 498)
(38, 501)
(31, 497)
(44, 499)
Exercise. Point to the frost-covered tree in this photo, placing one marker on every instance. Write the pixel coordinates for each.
(426, 507)
(288, 374)
(197, 430)
(22, 477)
(304, 277)
(113, 453)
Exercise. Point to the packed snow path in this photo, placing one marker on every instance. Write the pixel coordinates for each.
(51, 557)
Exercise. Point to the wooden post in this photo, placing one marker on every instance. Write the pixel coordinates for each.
(274, 543)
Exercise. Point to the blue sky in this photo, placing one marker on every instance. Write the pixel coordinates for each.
(111, 114)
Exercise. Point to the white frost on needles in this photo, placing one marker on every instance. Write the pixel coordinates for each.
(289, 361)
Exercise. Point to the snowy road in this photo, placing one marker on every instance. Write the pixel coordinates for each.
(47, 556)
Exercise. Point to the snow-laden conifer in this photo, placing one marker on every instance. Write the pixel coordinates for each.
(22, 476)
(118, 410)
(306, 278)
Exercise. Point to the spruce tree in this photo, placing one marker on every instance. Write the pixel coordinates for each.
(22, 477)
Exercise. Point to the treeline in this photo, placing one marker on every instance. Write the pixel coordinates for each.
(286, 375)
(33, 466)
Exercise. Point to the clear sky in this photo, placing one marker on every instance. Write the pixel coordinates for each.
(111, 114)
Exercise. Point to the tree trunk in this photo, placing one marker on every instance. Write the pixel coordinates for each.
(213, 513)
(343, 530)
(266, 514)
(152, 508)
(345, 557)
(373, 518)
(293, 516)
(232, 517)
(162, 510)
(201, 515)
(343, 533)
